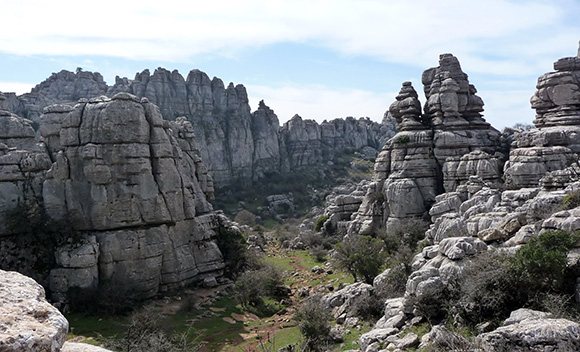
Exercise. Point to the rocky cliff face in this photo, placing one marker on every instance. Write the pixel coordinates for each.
(448, 161)
(235, 144)
(131, 182)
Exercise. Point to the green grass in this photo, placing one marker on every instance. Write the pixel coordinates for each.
(281, 262)
(95, 327)
(284, 338)
(350, 339)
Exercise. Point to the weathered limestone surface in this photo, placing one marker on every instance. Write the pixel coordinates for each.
(23, 163)
(64, 87)
(479, 204)
(137, 181)
(533, 332)
(433, 152)
(29, 323)
(555, 142)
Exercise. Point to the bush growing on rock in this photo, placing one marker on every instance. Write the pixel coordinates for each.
(571, 200)
(494, 284)
(233, 247)
(542, 262)
(245, 217)
(488, 290)
(253, 286)
(362, 256)
(320, 223)
(313, 318)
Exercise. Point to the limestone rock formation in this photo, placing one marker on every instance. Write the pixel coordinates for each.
(64, 87)
(555, 142)
(265, 131)
(236, 145)
(434, 152)
(135, 184)
(533, 332)
(23, 163)
(478, 205)
(29, 323)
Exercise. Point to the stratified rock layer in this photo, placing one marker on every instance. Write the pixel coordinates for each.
(134, 182)
(29, 323)
(23, 163)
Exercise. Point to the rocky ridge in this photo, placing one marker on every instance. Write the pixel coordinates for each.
(479, 192)
(237, 145)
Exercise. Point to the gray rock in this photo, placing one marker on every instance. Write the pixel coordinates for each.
(533, 335)
(375, 336)
(81, 347)
(29, 322)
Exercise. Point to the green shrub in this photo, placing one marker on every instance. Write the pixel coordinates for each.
(537, 276)
(313, 318)
(253, 286)
(404, 139)
(488, 290)
(320, 223)
(542, 262)
(362, 256)
(571, 200)
(147, 332)
(319, 253)
(233, 246)
(245, 217)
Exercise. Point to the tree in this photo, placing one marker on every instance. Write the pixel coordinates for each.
(362, 256)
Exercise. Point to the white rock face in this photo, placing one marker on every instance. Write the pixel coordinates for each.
(29, 323)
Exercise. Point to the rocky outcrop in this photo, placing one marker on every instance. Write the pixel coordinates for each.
(435, 151)
(478, 205)
(555, 142)
(29, 323)
(237, 146)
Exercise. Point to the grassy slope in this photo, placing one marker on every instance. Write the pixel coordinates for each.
(224, 325)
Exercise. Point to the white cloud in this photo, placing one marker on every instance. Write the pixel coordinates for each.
(508, 107)
(320, 103)
(496, 36)
(16, 87)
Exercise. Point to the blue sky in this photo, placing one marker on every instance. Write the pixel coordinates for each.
(319, 59)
